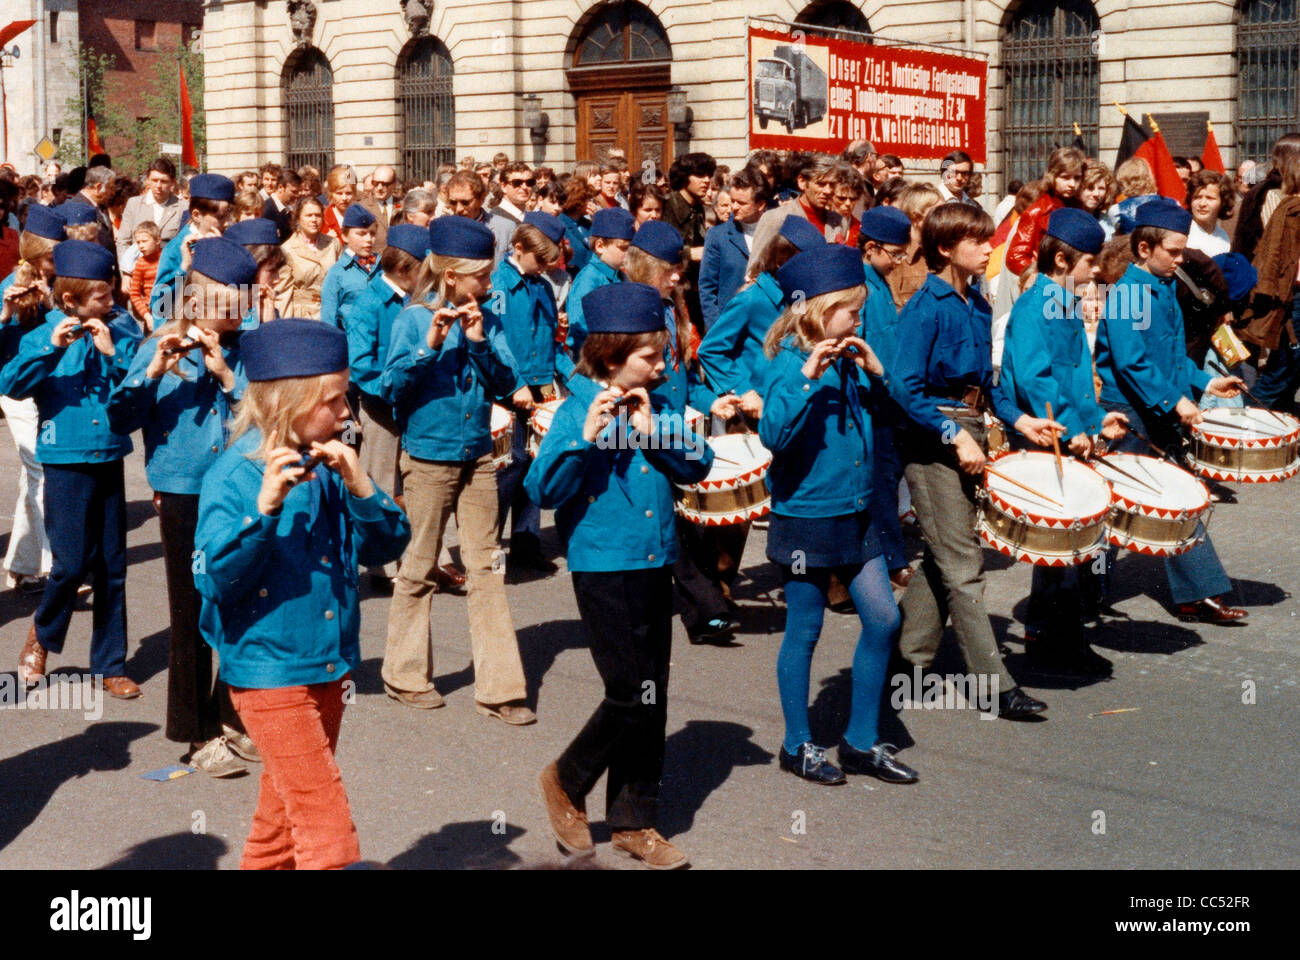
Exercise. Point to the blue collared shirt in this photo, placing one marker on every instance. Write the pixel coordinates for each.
(613, 501)
(1045, 359)
(1141, 350)
(11, 333)
(577, 234)
(71, 386)
(528, 312)
(819, 433)
(880, 318)
(184, 416)
(732, 351)
(279, 593)
(443, 398)
(370, 331)
(343, 284)
(597, 273)
(945, 346)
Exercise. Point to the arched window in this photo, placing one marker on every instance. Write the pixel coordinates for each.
(622, 33)
(1268, 62)
(426, 113)
(838, 14)
(1051, 82)
(307, 96)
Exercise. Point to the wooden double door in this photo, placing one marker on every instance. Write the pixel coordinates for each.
(636, 120)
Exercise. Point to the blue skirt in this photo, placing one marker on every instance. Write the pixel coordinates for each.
(847, 540)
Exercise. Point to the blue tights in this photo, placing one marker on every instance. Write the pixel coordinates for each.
(805, 604)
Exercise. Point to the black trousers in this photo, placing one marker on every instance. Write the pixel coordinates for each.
(696, 587)
(628, 621)
(196, 708)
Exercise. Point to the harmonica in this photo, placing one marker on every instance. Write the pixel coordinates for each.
(314, 461)
(184, 346)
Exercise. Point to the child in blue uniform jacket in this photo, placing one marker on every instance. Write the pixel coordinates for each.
(277, 549)
(608, 476)
(817, 423)
(1147, 375)
(211, 196)
(182, 401)
(612, 230)
(526, 303)
(356, 265)
(448, 362)
(369, 328)
(1046, 362)
(731, 352)
(69, 365)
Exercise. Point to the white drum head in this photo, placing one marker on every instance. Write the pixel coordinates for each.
(1247, 423)
(1164, 486)
(500, 419)
(736, 456)
(542, 416)
(1084, 493)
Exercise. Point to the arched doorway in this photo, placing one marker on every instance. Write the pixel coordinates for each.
(425, 107)
(619, 72)
(836, 14)
(1052, 80)
(307, 98)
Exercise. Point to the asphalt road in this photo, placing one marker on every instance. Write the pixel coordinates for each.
(1190, 776)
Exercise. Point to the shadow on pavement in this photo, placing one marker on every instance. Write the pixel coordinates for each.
(468, 845)
(698, 759)
(539, 646)
(176, 851)
(150, 657)
(30, 779)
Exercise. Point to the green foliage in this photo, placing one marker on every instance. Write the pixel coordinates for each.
(160, 108)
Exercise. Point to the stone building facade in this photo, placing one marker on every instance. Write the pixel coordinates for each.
(420, 82)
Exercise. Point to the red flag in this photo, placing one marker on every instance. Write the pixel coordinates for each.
(1156, 154)
(11, 30)
(189, 156)
(1211, 159)
(92, 137)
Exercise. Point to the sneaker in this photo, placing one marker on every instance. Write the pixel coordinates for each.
(650, 847)
(241, 744)
(215, 759)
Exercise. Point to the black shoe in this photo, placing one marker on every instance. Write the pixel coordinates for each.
(715, 629)
(526, 554)
(877, 762)
(1071, 656)
(811, 764)
(1017, 705)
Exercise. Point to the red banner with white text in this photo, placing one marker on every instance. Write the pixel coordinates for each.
(822, 93)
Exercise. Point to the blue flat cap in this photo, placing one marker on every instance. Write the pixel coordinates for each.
(258, 230)
(82, 260)
(454, 236)
(75, 214)
(1239, 272)
(293, 347)
(212, 186)
(624, 308)
(660, 240)
(44, 222)
(407, 236)
(1078, 228)
(357, 217)
(224, 260)
(801, 233)
(547, 223)
(813, 272)
(613, 223)
(886, 225)
(1165, 214)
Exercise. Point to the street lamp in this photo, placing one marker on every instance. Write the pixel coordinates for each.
(680, 116)
(537, 122)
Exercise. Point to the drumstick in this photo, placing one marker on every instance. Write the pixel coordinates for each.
(1024, 486)
(1120, 470)
(1056, 448)
(1246, 390)
(1225, 423)
(1147, 440)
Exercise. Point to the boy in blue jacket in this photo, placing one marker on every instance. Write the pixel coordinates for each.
(608, 474)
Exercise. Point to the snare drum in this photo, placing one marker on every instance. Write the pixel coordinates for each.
(1163, 515)
(735, 491)
(539, 423)
(1259, 447)
(1027, 527)
(502, 425)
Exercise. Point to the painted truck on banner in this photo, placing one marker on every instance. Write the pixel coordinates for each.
(789, 88)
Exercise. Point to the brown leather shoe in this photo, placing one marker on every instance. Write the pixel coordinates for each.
(568, 822)
(1209, 610)
(424, 700)
(516, 714)
(121, 688)
(31, 662)
(650, 848)
(901, 578)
